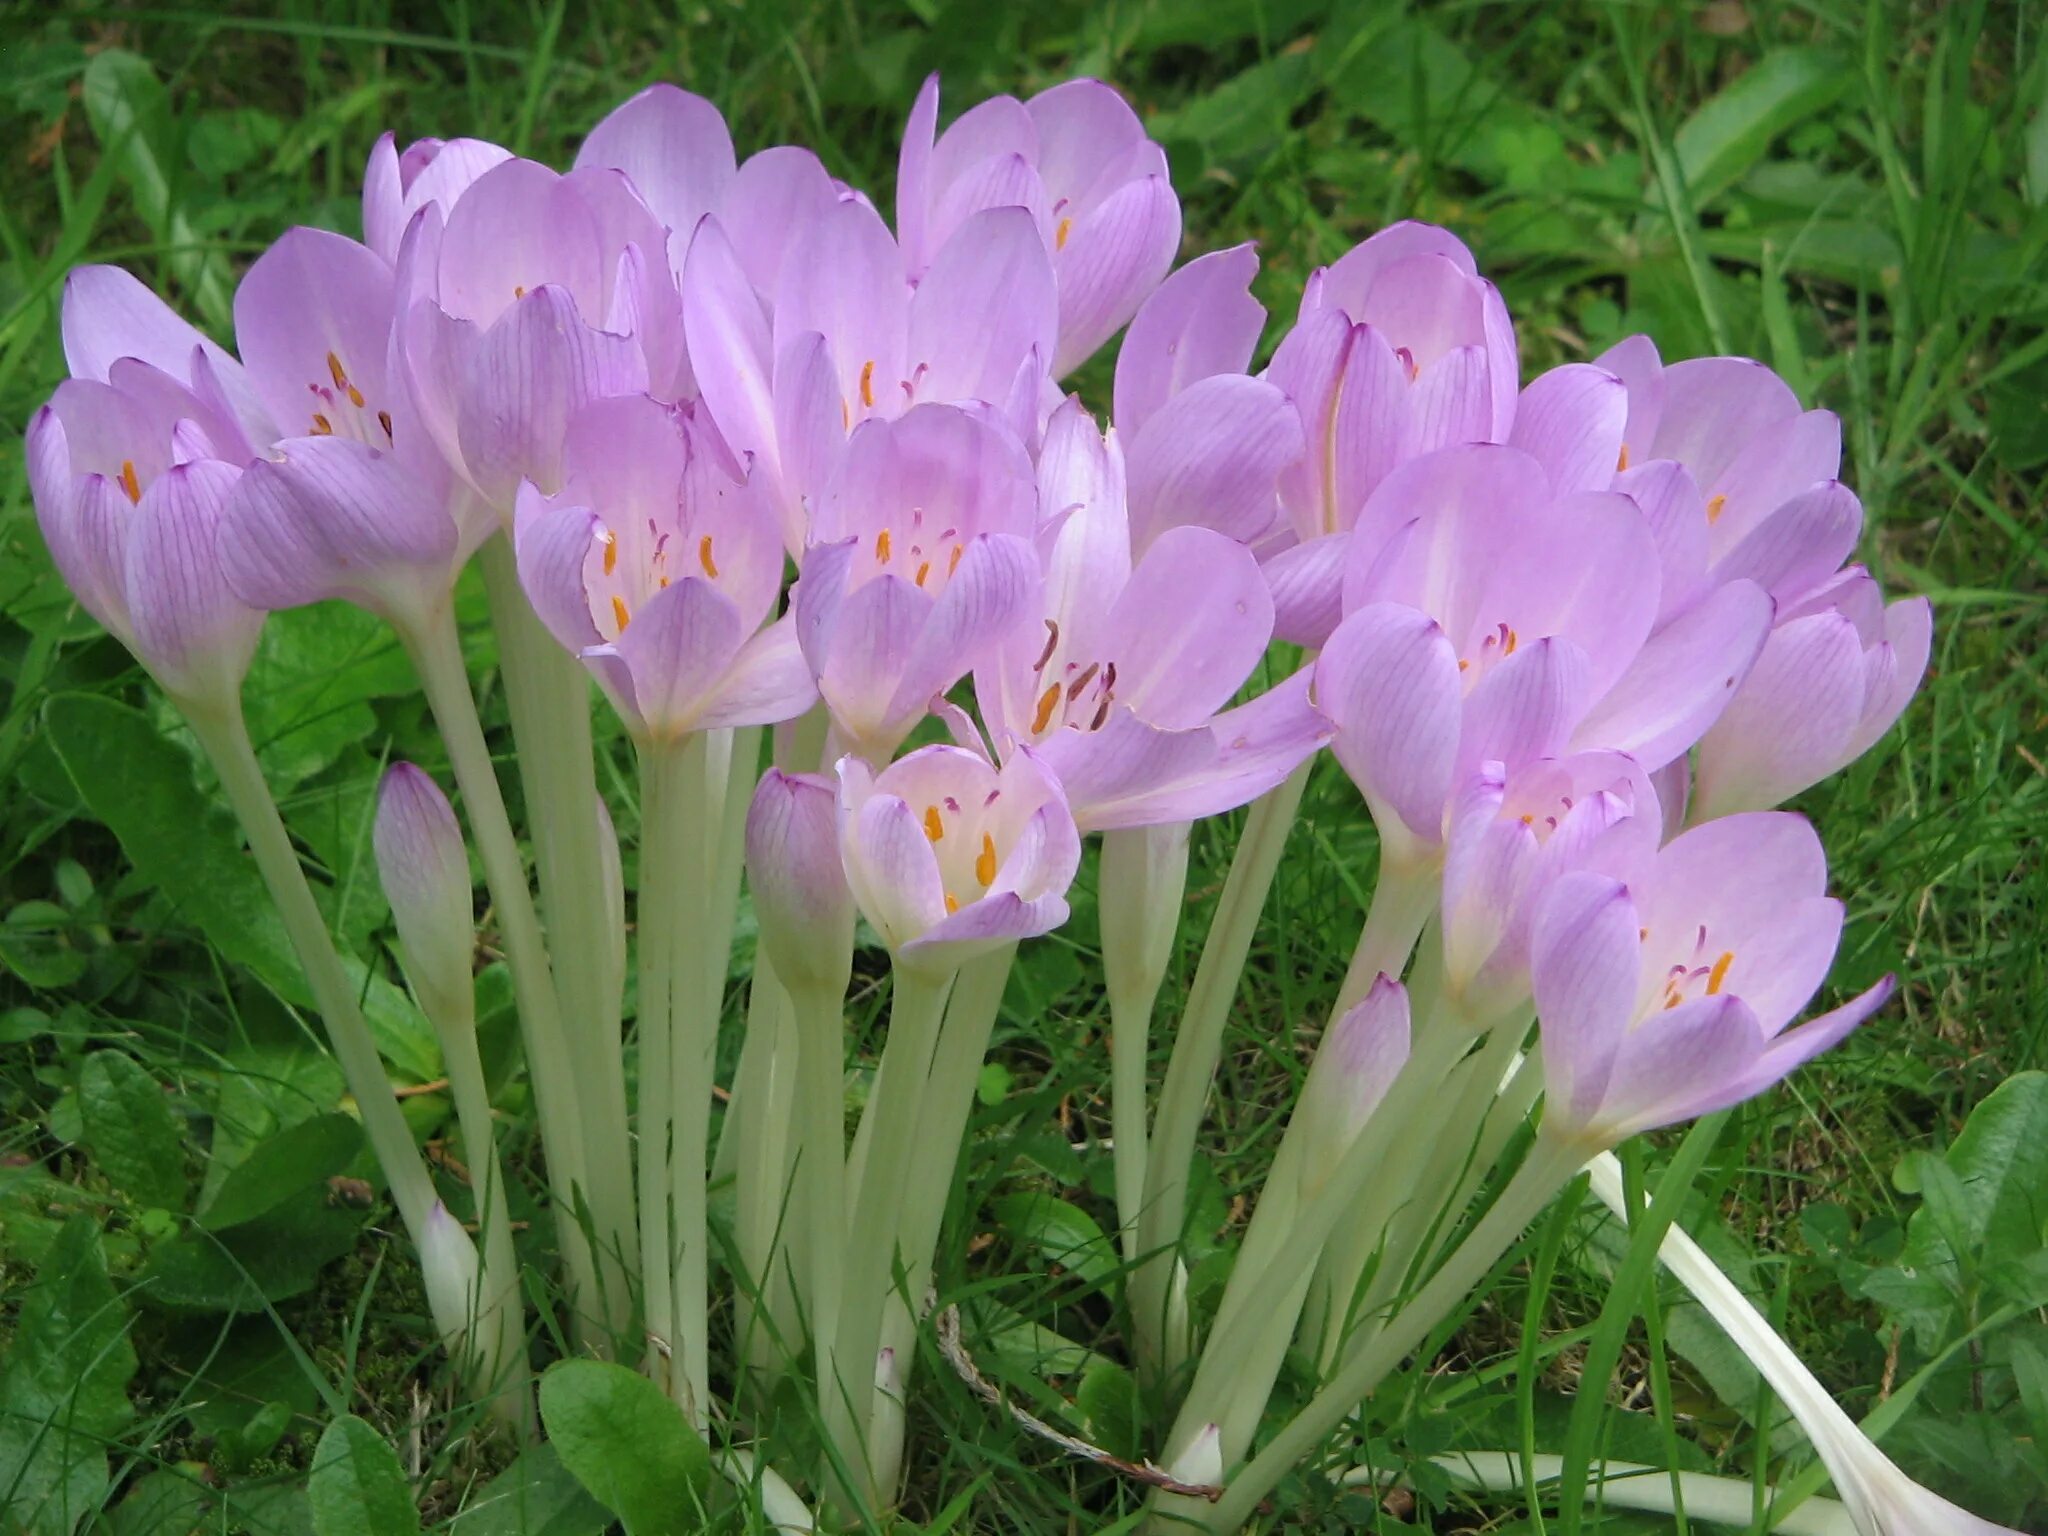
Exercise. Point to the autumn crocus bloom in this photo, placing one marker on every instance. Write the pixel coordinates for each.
(948, 856)
(1205, 444)
(660, 568)
(1400, 348)
(1076, 158)
(1120, 685)
(1510, 837)
(531, 295)
(922, 558)
(1837, 671)
(1489, 620)
(1669, 998)
(355, 501)
(427, 173)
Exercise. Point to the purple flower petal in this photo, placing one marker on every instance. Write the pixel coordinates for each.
(1584, 962)
(1388, 681)
(674, 148)
(1110, 261)
(1570, 420)
(1201, 321)
(1211, 457)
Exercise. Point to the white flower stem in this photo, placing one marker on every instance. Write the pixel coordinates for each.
(1143, 884)
(224, 735)
(821, 1158)
(767, 1238)
(549, 696)
(436, 653)
(847, 1379)
(1157, 1336)
(1541, 1175)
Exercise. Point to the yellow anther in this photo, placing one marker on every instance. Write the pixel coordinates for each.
(952, 903)
(985, 861)
(1059, 237)
(1464, 665)
(953, 560)
(1512, 642)
(322, 427)
(355, 397)
(934, 829)
(611, 552)
(334, 371)
(384, 421)
(1046, 701)
(1621, 464)
(867, 383)
(619, 614)
(924, 569)
(129, 483)
(704, 557)
(1719, 973)
(1528, 821)
(882, 546)
(1715, 506)
(519, 291)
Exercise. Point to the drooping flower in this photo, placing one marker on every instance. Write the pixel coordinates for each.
(1490, 620)
(948, 856)
(355, 502)
(528, 296)
(921, 559)
(1077, 159)
(851, 341)
(1120, 682)
(1205, 444)
(1511, 836)
(660, 568)
(1837, 671)
(1400, 348)
(1669, 998)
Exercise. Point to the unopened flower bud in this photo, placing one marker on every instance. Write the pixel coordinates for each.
(1355, 1066)
(425, 873)
(801, 899)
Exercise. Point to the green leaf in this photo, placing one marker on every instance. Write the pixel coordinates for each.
(277, 1255)
(1110, 1409)
(162, 1504)
(34, 944)
(134, 1137)
(535, 1496)
(1065, 1234)
(628, 1445)
(1993, 1209)
(1734, 129)
(294, 1160)
(357, 1487)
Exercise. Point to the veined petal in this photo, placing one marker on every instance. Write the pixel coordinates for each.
(1388, 681)
(778, 193)
(1791, 723)
(1804, 541)
(1677, 517)
(1307, 583)
(191, 631)
(1795, 1047)
(675, 149)
(1584, 961)
(1201, 321)
(890, 866)
(997, 583)
(1735, 876)
(810, 431)
(677, 649)
(1782, 460)
(988, 300)
(767, 683)
(1211, 456)
(1783, 963)
(1188, 627)
(552, 544)
(1712, 407)
(1909, 637)
(729, 342)
(845, 280)
(1526, 706)
(914, 173)
(1346, 283)
(1113, 257)
(1570, 420)
(1678, 1065)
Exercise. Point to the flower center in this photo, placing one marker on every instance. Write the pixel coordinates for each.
(1702, 974)
(925, 559)
(629, 570)
(341, 410)
(1494, 646)
(965, 847)
(1070, 695)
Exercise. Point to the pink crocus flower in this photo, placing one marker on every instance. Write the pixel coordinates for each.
(1669, 998)
(1400, 348)
(1077, 159)
(524, 297)
(1511, 836)
(1205, 444)
(1837, 671)
(948, 856)
(1491, 620)
(427, 173)
(130, 465)
(921, 558)
(355, 501)
(1119, 683)
(851, 340)
(659, 566)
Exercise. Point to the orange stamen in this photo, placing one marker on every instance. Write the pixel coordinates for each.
(334, 371)
(704, 557)
(384, 421)
(611, 553)
(1046, 701)
(1719, 973)
(934, 829)
(355, 397)
(1464, 665)
(924, 569)
(322, 427)
(1715, 506)
(1509, 648)
(1621, 464)
(882, 546)
(1059, 238)
(953, 560)
(867, 383)
(952, 903)
(519, 291)
(620, 615)
(129, 483)
(985, 861)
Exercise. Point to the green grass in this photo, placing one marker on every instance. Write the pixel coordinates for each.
(1857, 194)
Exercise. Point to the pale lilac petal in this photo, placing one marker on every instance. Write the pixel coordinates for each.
(552, 544)
(1570, 420)
(1202, 320)
(1713, 407)
(809, 426)
(1111, 259)
(1188, 628)
(845, 280)
(1795, 1047)
(776, 195)
(1388, 681)
(190, 629)
(1800, 544)
(1676, 514)
(873, 629)
(1777, 464)
(435, 352)
(1782, 964)
(1345, 285)
(1429, 308)
(1472, 497)
(1679, 1064)
(674, 148)
(1307, 583)
(891, 867)
(1584, 961)
(1734, 877)
(435, 173)
(1085, 133)
(333, 518)
(729, 341)
(383, 199)
(311, 298)
(914, 173)
(532, 372)
(1908, 637)
(1635, 362)
(676, 650)
(995, 919)
(1376, 418)
(988, 301)
(1791, 723)
(794, 870)
(519, 227)
(1503, 361)
(767, 683)
(997, 583)
(818, 599)
(1308, 366)
(1682, 679)
(1525, 706)
(1451, 403)
(1000, 181)
(1211, 457)
(109, 314)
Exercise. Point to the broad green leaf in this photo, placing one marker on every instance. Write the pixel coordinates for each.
(34, 944)
(535, 1496)
(1995, 1208)
(1065, 1234)
(357, 1487)
(628, 1445)
(315, 671)
(1111, 1410)
(1734, 129)
(133, 1135)
(278, 1255)
(162, 1504)
(295, 1159)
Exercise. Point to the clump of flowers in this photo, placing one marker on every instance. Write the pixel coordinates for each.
(1573, 641)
